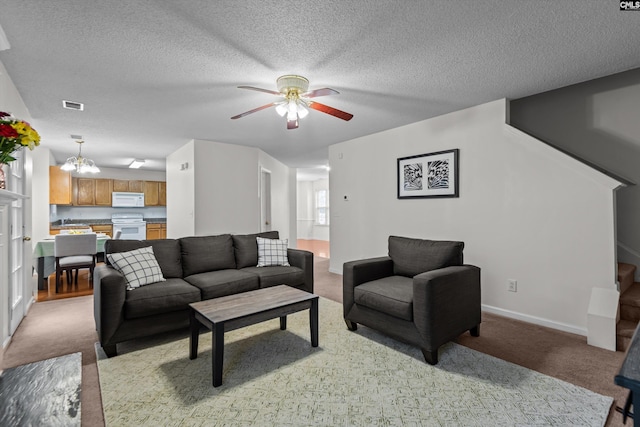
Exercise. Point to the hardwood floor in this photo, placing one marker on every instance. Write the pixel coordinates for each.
(318, 247)
(66, 291)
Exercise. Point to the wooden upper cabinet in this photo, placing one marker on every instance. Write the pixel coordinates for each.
(120, 185)
(128, 186)
(85, 191)
(59, 186)
(136, 186)
(151, 193)
(162, 196)
(104, 188)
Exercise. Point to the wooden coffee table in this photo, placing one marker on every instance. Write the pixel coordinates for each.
(225, 314)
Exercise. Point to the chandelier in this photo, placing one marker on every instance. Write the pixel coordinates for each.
(80, 164)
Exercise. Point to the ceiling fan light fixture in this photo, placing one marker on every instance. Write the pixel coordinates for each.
(302, 110)
(281, 109)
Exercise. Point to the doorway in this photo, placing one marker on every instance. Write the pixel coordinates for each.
(313, 211)
(265, 200)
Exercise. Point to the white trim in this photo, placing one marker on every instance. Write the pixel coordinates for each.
(333, 270)
(535, 320)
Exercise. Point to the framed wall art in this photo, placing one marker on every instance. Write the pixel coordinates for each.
(428, 175)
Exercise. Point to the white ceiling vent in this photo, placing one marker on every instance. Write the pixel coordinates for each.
(70, 105)
(76, 136)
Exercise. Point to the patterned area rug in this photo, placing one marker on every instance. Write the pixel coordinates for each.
(275, 378)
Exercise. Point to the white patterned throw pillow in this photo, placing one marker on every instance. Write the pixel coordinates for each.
(138, 266)
(272, 252)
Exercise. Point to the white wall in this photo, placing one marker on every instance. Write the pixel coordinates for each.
(181, 192)
(304, 209)
(525, 212)
(283, 197)
(218, 192)
(307, 227)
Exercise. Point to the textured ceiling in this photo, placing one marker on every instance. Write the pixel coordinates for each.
(155, 74)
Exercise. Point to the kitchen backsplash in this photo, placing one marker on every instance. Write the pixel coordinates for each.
(58, 212)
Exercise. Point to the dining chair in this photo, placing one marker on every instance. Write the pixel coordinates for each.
(72, 252)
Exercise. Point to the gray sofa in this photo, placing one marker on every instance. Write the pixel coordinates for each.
(195, 269)
(421, 293)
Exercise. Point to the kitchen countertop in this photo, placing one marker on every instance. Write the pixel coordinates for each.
(71, 222)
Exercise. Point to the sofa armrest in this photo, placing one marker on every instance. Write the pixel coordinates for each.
(303, 260)
(355, 273)
(109, 293)
(446, 302)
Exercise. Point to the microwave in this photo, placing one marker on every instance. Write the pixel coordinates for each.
(127, 200)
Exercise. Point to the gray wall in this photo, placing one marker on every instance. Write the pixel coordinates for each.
(598, 121)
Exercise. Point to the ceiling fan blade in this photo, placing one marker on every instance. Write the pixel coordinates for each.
(272, 92)
(246, 113)
(330, 110)
(292, 124)
(320, 92)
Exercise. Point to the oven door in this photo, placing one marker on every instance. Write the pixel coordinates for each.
(137, 231)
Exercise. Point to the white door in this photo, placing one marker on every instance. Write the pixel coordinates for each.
(18, 298)
(265, 200)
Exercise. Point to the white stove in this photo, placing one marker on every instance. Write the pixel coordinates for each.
(131, 225)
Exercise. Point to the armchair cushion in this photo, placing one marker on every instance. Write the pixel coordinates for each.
(414, 256)
(392, 295)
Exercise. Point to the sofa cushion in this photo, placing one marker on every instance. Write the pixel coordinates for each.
(139, 267)
(272, 252)
(392, 295)
(158, 298)
(214, 284)
(246, 248)
(207, 253)
(414, 256)
(277, 275)
(166, 251)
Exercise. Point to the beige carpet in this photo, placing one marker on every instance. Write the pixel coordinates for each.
(275, 378)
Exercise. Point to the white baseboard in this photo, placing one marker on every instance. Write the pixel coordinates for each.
(333, 270)
(535, 320)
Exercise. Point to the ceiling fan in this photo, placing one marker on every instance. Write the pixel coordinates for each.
(297, 100)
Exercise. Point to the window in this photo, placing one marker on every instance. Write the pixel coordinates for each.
(322, 207)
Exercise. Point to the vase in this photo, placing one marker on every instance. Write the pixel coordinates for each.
(2, 180)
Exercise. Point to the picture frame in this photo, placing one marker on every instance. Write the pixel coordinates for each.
(429, 175)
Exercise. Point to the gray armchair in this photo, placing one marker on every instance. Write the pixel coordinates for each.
(421, 293)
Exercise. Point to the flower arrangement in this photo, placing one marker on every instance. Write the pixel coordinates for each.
(15, 134)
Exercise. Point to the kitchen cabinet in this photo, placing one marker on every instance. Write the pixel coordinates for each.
(151, 193)
(162, 193)
(128, 186)
(92, 191)
(103, 190)
(156, 231)
(84, 191)
(103, 228)
(59, 186)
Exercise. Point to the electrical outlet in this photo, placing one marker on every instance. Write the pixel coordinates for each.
(512, 285)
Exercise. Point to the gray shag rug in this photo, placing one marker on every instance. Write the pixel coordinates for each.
(275, 378)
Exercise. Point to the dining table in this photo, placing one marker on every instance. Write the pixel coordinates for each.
(44, 258)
